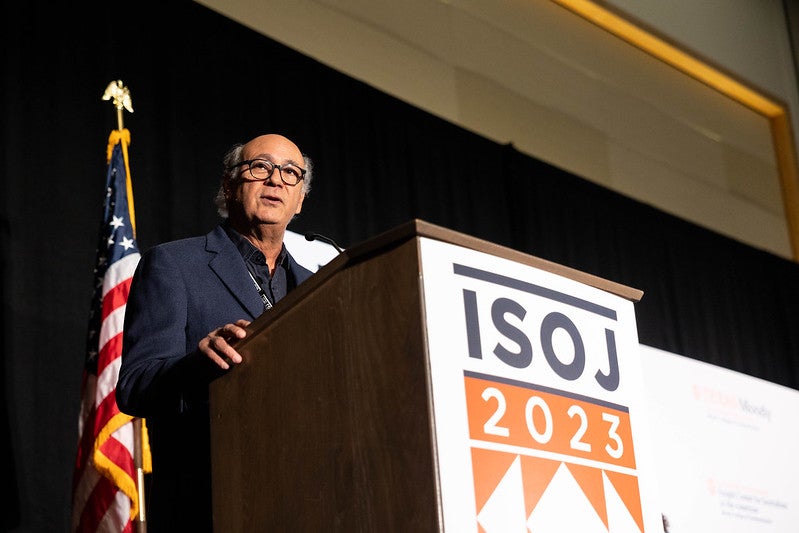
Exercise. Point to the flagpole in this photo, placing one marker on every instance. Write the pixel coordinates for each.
(141, 518)
(120, 95)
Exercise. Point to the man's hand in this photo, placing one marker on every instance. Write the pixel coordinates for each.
(216, 345)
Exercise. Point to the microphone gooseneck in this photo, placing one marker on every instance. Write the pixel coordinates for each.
(311, 236)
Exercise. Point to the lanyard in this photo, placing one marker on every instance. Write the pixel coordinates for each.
(267, 303)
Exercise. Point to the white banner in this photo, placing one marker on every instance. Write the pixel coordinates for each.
(726, 445)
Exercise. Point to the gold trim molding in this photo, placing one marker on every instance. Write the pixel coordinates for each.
(770, 108)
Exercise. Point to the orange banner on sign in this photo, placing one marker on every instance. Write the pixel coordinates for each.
(526, 416)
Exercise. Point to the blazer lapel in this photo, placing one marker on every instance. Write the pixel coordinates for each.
(228, 264)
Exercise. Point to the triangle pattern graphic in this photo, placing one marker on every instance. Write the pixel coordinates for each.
(564, 508)
(627, 488)
(536, 475)
(504, 510)
(619, 518)
(519, 493)
(488, 468)
(591, 482)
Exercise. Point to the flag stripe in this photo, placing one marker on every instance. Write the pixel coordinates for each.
(120, 272)
(108, 361)
(100, 498)
(115, 298)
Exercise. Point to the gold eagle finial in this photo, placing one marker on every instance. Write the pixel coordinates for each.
(120, 95)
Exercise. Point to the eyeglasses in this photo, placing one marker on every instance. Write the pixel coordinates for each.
(262, 169)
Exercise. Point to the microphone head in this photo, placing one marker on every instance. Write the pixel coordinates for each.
(311, 236)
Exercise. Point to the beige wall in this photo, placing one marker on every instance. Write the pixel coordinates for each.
(533, 74)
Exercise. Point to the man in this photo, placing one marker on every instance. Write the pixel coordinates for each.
(189, 301)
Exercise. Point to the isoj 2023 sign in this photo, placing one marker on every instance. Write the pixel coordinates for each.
(539, 407)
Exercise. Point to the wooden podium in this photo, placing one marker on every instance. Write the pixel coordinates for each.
(329, 424)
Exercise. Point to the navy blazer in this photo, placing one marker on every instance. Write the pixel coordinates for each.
(180, 292)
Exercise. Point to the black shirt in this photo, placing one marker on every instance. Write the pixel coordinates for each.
(274, 286)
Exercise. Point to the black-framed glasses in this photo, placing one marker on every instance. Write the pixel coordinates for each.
(262, 169)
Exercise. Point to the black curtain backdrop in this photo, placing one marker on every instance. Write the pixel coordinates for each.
(199, 83)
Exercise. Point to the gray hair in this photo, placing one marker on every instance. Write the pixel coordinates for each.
(230, 174)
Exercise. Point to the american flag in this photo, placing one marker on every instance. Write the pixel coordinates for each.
(104, 490)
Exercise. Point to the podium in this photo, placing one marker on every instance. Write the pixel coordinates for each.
(352, 409)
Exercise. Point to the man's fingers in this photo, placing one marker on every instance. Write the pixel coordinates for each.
(234, 331)
(218, 349)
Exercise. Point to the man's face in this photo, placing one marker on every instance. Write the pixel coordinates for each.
(270, 201)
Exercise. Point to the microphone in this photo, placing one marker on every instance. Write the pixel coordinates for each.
(311, 236)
